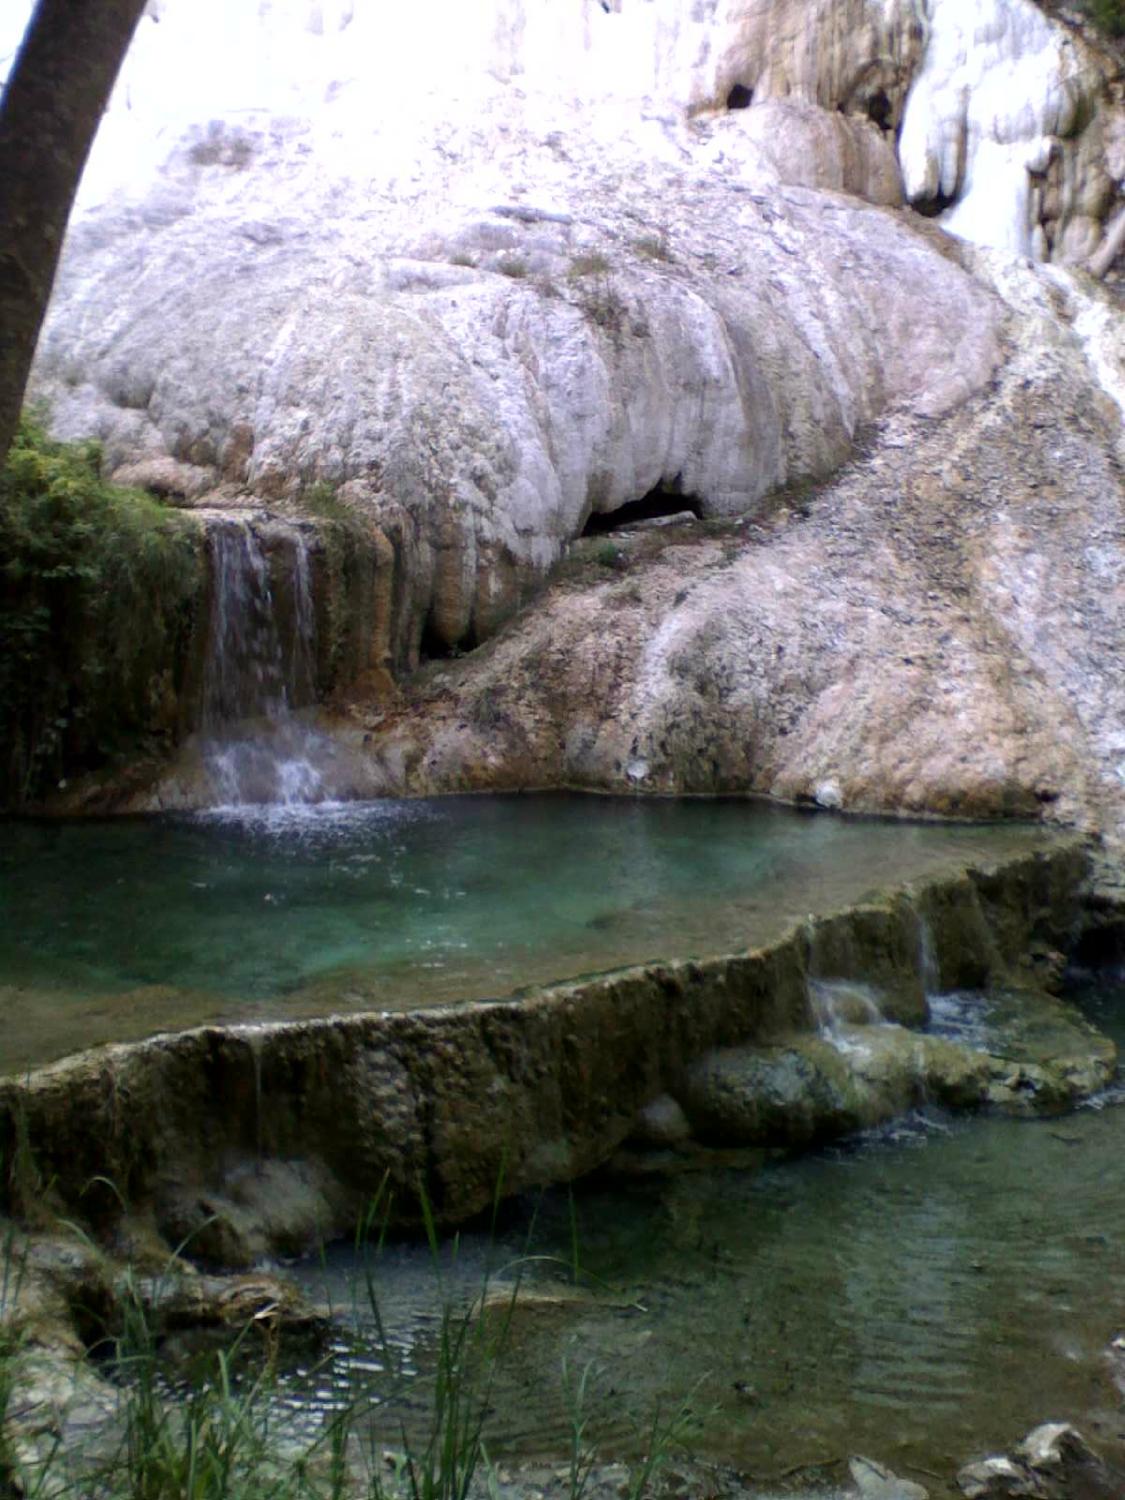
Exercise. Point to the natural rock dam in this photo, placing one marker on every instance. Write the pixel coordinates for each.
(544, 1085)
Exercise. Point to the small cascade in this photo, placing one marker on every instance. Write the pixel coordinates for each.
(260, 664)
(840, 1005)
(928, 968)
(243, 676)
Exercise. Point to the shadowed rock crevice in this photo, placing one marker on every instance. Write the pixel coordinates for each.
(660, 503)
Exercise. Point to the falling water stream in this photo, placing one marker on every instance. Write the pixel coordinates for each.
(260, 666)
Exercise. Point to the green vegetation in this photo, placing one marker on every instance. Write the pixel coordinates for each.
(222, 1429)
(609, 555)
(514, 266)
(653, 247)
(98, 590)
(592, 264)
(1107, 15)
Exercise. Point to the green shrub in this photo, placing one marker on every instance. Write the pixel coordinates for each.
(1106, 15)
(98, 589)
(514, 266)
(653, 247)
(594, 263)
(609, 555)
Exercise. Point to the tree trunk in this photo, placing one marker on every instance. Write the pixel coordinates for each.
(56, 94)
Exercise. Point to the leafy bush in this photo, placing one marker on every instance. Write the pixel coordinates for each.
(1107, 15)
(98, 589)
(592, 264)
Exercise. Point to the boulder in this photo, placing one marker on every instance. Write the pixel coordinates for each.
(1053, 1462)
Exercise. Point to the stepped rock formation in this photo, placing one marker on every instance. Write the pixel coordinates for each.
(488, 274)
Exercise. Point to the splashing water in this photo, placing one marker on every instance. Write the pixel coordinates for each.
(260, 666)
(841, 1005)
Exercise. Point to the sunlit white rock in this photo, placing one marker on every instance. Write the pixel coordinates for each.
(1000, 90)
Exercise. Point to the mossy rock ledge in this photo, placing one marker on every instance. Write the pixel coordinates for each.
(240, 1141)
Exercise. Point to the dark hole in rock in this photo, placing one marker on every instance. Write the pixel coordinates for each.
(740, 97)
(434, 647)
(880, 112)
(929, 208)
(665, 500)
(1101, 946)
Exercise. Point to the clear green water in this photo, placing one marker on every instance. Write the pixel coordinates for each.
(111, 930)
(923, 1294)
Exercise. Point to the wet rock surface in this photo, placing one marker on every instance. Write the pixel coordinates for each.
(1029, 1054)
(316, 1115)
(1053, 1462)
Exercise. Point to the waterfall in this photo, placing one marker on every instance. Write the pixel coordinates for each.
(840, 1005)
(260, 664)
(928, 968)
(244, 674)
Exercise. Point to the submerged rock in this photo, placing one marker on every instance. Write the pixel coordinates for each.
(1034, 1055)
(1053, 1462)
(874, 1481)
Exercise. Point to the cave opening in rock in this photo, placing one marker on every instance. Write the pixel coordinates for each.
(434, 646)
(880, 111)
(740, 97)
(664, 500)
(930, 207)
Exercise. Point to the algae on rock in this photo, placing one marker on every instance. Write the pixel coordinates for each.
(99, 591)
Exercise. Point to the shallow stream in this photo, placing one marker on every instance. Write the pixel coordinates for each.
(111, 930)
(922, 1294)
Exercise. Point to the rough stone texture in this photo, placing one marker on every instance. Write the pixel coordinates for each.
(64, 1298)
(313, 1117)
(938, 630)
(479, 376)
(874, 1481)
(1053, 1462)
(553, 275)
(1043, 1059)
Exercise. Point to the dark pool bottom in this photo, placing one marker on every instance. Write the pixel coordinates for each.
(923, 1294)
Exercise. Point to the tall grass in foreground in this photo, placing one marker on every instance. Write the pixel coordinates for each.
(225, 1438)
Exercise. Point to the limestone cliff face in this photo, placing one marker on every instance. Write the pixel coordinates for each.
(490, 270)
(936, 630)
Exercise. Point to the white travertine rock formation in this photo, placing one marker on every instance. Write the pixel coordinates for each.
(1003, 123)
(937, 630)
(488, 270)
(500, 309)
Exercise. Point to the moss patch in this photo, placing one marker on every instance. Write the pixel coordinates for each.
(99, 587)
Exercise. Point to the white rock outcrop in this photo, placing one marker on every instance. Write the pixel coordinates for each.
(489, 270)
(536, 292)
(1005, 124)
